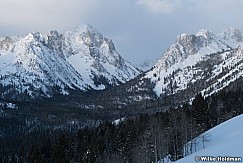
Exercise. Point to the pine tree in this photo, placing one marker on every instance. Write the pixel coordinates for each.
(201, 113)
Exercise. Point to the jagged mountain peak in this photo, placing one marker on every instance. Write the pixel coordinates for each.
(53, 33)
(232, 36)
(89, 35)
(232, 31)
(185, 38)
(193, 57)
(80, 59)
(100, 49)
(34, 36)
(190, 44)
(185, 46)
(202, 33)
(83, 28)
(207, 34)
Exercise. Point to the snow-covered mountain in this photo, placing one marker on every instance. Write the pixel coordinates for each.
(221, 142)
(204, 61)
(80, 59)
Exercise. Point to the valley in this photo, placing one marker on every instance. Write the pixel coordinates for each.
(57, 91)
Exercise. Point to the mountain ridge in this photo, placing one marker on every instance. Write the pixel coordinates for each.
(187, 51)
(79, 59)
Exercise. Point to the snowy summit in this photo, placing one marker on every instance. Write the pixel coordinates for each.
(203, 58)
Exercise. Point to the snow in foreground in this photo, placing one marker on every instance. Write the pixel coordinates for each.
(225, 140)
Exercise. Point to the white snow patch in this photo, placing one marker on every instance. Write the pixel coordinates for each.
(223, 140)
(116, 122)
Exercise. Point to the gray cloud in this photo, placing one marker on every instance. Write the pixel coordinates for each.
(140, 29)
(158, 6)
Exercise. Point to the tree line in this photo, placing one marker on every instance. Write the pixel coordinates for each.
(144, 138)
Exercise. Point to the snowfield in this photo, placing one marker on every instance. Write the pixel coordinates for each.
(224, 140)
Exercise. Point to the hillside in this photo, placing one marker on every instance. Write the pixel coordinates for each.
(224, 140)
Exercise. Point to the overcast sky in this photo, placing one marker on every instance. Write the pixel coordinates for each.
(140, 29)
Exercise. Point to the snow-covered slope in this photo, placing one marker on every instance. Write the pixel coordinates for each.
(95, 57)
(224, 140)
(201, 57)
(79, 59)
